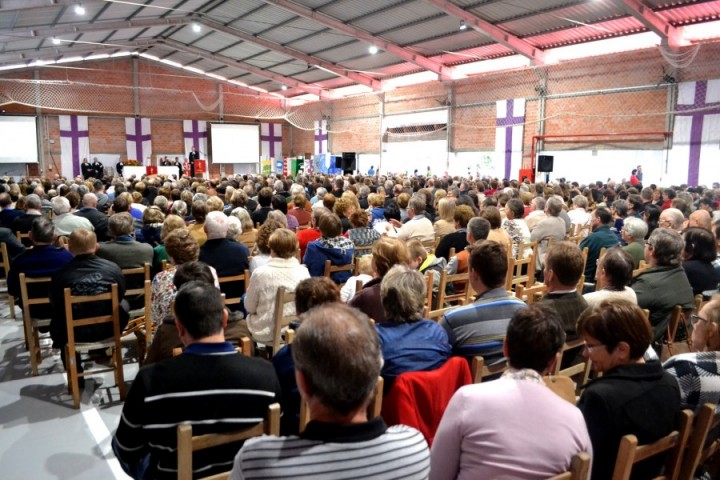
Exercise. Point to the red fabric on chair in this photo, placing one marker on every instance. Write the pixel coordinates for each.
(419, 399)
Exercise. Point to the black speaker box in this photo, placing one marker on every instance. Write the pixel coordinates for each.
(349, 162)
(545, 163)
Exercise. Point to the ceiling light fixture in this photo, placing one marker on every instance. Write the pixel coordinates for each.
(373, 49)
(79, 9)
(284, 87)
(55, 41)
(463, 25)
(196, 27)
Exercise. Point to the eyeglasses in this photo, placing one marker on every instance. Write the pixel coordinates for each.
(649, 245)
(593, 348)
(695, 319)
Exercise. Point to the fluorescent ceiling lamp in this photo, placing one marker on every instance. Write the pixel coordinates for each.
(79, 9)
(373, 49)
(196, 27)
(55, 41)
(13, 67)
(40, 62)
(463, 25)
(149, 57)
(283, 87)
(121, 54)
(219, 77)
(235, 82)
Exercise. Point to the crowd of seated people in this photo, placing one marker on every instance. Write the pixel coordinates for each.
(647, 248)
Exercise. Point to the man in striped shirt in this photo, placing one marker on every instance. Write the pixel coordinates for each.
(210, 386)
(479, 328)
(337, 362)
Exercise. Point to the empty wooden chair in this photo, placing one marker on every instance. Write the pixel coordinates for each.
(32, 325)
(74, 347)
(672, 444)
(579, 468)
(187, 444)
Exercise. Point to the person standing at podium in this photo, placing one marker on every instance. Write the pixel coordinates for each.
(194, 155)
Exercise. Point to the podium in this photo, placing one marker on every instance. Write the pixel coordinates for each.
(200, 166)
(151, 170)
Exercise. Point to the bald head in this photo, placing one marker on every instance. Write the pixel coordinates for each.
(700, 218)
(89, 200)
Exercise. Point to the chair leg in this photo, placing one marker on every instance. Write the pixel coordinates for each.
(33, 347)
(72, 373)
(11, 304)
(119, 374)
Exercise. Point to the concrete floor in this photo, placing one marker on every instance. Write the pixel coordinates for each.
(41, 435)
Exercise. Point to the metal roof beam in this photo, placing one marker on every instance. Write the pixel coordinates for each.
(445, 73)
(245, 66)
(501, 36)
(360, 78)
(23, 34)
(654, 22)
(10, 5)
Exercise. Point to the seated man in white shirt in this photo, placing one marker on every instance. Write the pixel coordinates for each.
(513, 427)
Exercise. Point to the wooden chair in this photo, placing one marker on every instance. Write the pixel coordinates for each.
(672, 444)
(362, 251)
(532, 294)
(580, 371)
(436, 315)
(429, 280)
(563, 386)
(514, 273)
(187, 444)
(579, 468)
(430, 245)
(523, 246)
(32, 325)
(6, 268)
(243, 277)
(113, 342)
(62, 242)
(459, 280)
(280, 320)
(642, 266)
(140, 323)
(373, 410)
(698, 450)
(24, 238)
(330, 268)
(480, 370)
(678, 317)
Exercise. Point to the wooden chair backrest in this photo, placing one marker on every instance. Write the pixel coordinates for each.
(187, 444)
(642, 266)
(585, 257)
(26, 300)
(330, 268)
(580, 371)
(522, 246)
(677, 318)
(436, 315)
(579, 468)
(673, 444)
(530, 295)
(457, 280)
(480, 370)
(430, 245)
(233, 278)
(24, 238)
(31, 335)
(5, 260)
(279, 319)
(698, 450)
(429, 279)
(563, 386)
(514, 273)
(373, 410)
(144, 271)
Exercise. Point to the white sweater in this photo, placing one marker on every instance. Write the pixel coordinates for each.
(260, 297)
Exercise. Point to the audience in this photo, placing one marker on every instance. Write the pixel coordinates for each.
(513, 427)
(337, 360)
(699, 253)
(631, 396)
(331, 246)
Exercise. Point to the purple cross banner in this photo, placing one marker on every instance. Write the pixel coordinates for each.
(510, 123)
(271, 141)
(696, 135)
(321, 137)
(195, 135)
(74, 143)
(138, 140)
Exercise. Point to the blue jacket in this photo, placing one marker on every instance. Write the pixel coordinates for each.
(412, 347)
(317, 253)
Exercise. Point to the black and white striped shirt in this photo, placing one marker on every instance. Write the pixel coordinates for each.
(334, 452)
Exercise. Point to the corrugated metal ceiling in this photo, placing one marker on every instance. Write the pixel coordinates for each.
(415, 27)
